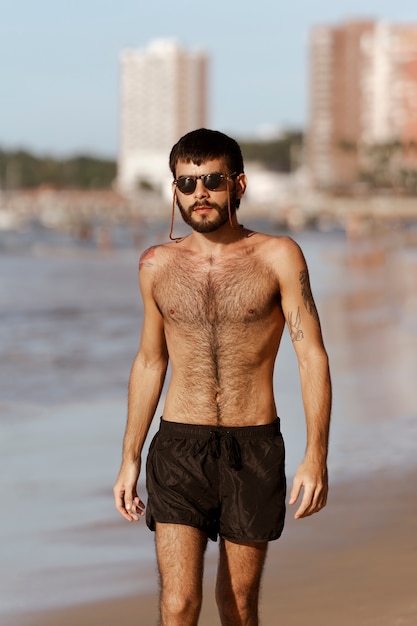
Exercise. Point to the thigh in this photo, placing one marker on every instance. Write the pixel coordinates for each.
(241, 566)
(180, 552)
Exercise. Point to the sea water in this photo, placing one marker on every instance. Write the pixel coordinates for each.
(70, 325)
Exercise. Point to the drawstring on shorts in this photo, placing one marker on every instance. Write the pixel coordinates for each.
(232, 447)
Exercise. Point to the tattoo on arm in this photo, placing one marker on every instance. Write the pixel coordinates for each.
(307, 295)
(294, 325)
(145, 257)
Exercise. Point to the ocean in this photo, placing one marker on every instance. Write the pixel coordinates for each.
(70, 325)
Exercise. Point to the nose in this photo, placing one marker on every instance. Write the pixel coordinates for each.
(200, 190)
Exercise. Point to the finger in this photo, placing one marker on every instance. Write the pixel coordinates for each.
(121, 507)
(319, 498)
(137, 506)
(306, 503)
(138, 502)
(313, 501)
(295, 491)
(124, 504)
(130, 507)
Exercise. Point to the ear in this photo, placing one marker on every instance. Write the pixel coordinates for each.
(241, 182)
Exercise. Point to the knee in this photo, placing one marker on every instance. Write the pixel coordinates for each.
(237, 606)
(178, 607)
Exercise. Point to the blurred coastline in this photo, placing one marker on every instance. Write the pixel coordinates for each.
(71, 317)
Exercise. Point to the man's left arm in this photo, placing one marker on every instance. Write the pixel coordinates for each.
(304, 326)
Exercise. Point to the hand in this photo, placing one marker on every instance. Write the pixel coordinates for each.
(126, 499)
(313, 477)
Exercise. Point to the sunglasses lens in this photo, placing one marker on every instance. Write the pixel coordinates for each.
(186, 184)
(212, 181)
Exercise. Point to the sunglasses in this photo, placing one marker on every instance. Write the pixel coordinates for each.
(212, 182)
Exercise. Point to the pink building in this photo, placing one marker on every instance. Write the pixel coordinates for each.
(363, 93)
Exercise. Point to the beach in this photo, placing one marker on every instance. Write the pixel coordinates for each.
(71, 326)
(354, 563)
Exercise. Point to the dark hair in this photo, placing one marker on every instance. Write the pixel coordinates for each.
(203, 145)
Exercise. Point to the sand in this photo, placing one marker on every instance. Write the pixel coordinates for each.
(353, 564)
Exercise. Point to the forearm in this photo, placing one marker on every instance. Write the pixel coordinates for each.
(145, 386)
(317, 400)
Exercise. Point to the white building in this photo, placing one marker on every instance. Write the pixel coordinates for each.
(163, 96)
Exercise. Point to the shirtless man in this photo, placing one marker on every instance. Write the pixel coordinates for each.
(215, 304)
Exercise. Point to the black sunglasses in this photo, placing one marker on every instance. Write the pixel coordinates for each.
(188, 184)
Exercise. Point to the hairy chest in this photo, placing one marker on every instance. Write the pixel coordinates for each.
(238, 292)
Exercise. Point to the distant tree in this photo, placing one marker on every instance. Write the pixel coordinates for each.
(383, 164)
(145, 185)
(348, 146)
(274, 154)
(89, 172)
(21, 169)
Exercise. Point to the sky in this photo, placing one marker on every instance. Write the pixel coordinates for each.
(59, 63)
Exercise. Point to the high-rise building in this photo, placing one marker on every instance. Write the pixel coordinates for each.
(163, 96)
(363, 93)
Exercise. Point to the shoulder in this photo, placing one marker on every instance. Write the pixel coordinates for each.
(156, 255)
(280, 249)
(156, 264)
(149, 256)
(149, 261)
(285, 259)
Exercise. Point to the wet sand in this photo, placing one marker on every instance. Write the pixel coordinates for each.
(354, 563)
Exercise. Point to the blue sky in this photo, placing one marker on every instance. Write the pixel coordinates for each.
(59, 62)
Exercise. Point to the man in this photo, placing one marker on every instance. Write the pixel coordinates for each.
(215, 304)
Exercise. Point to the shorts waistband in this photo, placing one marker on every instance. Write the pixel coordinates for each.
(200, 431)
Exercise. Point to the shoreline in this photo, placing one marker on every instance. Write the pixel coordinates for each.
(353, 563)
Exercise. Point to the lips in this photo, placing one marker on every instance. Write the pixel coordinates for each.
(202, 207)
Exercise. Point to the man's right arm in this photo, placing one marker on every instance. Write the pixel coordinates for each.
(145, 385)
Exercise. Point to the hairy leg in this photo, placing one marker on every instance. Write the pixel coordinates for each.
(238, 582)
(180, 553)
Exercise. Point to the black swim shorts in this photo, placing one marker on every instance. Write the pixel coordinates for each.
(224, 481)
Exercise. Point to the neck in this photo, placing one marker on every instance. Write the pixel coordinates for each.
(223, 236)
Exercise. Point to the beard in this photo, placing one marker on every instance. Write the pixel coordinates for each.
(206, 223)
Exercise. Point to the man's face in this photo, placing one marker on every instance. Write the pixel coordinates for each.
(205, 210)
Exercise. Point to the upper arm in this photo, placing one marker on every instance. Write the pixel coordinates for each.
(297, 300)
(153, 348)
